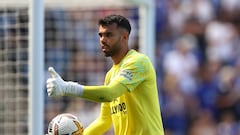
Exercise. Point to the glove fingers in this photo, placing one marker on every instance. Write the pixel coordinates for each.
(50, 86)
(55, 84)
(50, 92)
(51, 82)
(53, 73)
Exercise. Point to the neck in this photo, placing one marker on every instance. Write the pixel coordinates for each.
(118, 57)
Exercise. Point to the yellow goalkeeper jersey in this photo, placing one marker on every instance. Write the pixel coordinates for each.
(138, 111)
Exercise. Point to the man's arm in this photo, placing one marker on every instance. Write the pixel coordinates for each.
(56, 86)
(104, 93)
(102, 123)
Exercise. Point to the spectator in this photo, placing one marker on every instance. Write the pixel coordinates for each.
(182, 63)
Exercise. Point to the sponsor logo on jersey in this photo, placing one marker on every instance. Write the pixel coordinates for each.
(117, 107)
(126, 74)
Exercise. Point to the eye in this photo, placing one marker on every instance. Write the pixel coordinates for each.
(100, 34)
(108, 34)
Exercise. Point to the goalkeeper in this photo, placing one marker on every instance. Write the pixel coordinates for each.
(129, 96)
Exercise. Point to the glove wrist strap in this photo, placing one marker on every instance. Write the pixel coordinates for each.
(73, 89)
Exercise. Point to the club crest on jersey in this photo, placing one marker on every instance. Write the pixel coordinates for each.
(126, 74)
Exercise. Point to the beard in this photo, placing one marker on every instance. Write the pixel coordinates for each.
(112, 49)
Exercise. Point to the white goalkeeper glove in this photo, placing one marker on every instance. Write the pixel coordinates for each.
(56, 86)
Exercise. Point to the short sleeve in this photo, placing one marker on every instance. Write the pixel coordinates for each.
(132, 73)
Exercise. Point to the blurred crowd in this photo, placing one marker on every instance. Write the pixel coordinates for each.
(198, 66)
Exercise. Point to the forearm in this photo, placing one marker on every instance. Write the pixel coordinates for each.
(98, 127)
(102, 123)
(103, 93)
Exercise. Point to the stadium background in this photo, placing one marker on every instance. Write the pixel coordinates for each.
(197, 63)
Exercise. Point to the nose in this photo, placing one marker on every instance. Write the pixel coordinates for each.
(103, 40)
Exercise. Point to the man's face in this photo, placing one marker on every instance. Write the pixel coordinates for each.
(110, 39)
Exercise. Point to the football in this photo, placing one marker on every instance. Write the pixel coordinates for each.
(65, 124)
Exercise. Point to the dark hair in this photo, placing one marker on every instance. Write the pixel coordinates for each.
(118, 19)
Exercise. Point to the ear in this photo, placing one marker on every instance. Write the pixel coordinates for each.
(125, 35)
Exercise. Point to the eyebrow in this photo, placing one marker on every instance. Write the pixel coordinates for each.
(101, 33)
